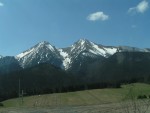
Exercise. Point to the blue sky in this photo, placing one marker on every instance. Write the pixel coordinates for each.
(24, 23)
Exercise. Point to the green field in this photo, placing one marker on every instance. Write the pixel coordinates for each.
(81, 98)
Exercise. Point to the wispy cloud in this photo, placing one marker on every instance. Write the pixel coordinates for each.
(98, 16)
(140, 8)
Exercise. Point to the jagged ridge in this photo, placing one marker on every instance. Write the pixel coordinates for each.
(45, 52)
(64, 58)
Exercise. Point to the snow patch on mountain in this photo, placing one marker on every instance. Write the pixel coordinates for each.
(50, 47)
(93, 52)
(98, 50)
(66, 63)
(66, 60)
(21, 55)
(62, 53)
(102, 50)
(111, 51)
(82, 41)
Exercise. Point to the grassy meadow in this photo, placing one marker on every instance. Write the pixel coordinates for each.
(81, 98)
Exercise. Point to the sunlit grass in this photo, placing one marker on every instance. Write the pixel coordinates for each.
(86, 97)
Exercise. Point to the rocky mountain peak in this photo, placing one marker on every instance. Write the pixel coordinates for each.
(40, 53)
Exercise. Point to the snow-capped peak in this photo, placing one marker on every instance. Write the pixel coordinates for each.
(45, 44)
(82, 41)
(93, 48)
(35, 49)
(65, 57)
(87, 49)
(81, 45)
(40, 53)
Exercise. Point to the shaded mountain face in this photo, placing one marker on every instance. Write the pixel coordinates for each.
(9, 64)
(123, 66)
(39, 79)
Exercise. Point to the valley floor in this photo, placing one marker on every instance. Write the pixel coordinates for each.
(79, 109)
(109, 100)
(104, 108)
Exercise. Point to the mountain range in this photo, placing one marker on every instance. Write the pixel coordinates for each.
(84, 65)
(68, 58)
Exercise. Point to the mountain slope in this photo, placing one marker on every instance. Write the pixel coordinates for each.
(9, 64)
(40, 53)
(70, 58)
(64, 57)
(131, 49)
(74, 58)
(123, 66)
(85, 65)
(86, 49)
(42, 78)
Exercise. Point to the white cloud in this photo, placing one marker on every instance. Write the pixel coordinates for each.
(98, 16)
(1, 4)
(140, 8)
